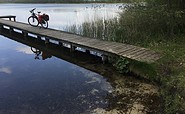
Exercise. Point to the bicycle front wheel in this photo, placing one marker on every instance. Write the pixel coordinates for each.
(44, 23)
(33, 21)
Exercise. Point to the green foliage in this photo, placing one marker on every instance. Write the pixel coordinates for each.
(171, 72)
(122, 65)
(147, 71)
(170, 4)
(141, 21)
(173, 94)
(156, 24)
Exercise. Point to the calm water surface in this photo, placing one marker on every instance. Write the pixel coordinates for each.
(55, 86)
(63, 15)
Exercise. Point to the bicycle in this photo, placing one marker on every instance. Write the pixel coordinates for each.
(36, 51)
(36, 19)
(39, 54)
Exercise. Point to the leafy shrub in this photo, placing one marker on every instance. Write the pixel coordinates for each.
(122, 65)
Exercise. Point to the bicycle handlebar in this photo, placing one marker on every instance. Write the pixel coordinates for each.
(32, 10)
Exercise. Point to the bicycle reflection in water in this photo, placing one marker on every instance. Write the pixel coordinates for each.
(39, 54)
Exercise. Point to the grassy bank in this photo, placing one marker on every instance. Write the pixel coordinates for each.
(159, 28)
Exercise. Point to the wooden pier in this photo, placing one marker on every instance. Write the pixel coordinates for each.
(105, 48)
(78, 58)
(10, 17)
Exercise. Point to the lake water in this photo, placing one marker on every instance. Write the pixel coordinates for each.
(30, 85)
(63, 15)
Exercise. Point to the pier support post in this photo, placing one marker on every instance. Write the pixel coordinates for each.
(46, 40)
(104, 58)
(25, 34)
(1, 27)
(10, 30)
(14, 18)
(61, 44)
(87, 51)
(72, 49)
(38, 37)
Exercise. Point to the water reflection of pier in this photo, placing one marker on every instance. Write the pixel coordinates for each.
(128, 94)
(85, 60)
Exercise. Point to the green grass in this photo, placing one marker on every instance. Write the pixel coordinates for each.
(155, 28)
(168, 72)
(171, 75)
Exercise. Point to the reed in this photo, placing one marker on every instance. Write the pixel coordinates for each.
(101, 29)
(158, 26)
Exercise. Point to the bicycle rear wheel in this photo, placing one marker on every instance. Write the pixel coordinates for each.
(44, 23)
(33, 21)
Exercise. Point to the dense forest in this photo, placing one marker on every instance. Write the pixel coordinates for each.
(60, 1)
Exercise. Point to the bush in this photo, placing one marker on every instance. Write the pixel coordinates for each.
(122, 65)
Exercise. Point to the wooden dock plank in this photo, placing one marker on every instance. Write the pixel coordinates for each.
(9, 17)
(142, 56)
(136, 51)
(125, 49)
(120, 49)
(131, 52)
(126, 52)
(89, 42)
(82, 41)
(132, 55)
(112, 48)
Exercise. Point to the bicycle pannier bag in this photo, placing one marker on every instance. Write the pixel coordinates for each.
(46, 17)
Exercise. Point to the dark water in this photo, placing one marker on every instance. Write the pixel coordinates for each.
(47, 85)
(65, 83)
